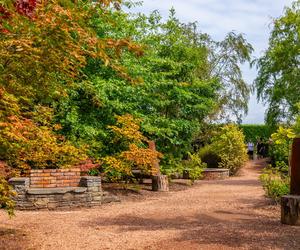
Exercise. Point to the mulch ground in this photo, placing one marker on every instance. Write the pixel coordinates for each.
(228, 214)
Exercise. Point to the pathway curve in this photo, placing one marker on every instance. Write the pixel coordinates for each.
(229, 214)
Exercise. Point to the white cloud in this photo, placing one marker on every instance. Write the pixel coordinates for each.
(218, 17)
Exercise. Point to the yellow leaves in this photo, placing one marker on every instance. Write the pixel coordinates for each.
(128, 129)
(135, 156)
(6, 193)
(27, 144)
(143, 158)
(283, 135)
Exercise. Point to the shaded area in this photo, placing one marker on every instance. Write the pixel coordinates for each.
(12, 239)
(225, 228)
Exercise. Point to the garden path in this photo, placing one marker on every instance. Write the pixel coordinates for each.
(228, 214)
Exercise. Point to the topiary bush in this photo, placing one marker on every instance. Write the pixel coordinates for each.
(253, 132)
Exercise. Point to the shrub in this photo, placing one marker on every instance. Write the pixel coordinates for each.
(280, 148)
(208, 156)
(6, 194)
(229, 145)
(194, 167)
(254, 131)
(275, 183)
(24, 145)
(131, 151)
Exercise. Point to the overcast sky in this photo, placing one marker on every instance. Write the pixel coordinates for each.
(218, 17)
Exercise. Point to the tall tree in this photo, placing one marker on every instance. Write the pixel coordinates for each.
(277, 82)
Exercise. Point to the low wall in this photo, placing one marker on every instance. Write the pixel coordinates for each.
(88, 193)
(215, 174)
(52, 178)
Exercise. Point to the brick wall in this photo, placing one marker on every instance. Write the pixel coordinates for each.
(215, 174)
(52, 178)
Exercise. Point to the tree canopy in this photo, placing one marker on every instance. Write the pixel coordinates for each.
(277, 82)
(74, 74)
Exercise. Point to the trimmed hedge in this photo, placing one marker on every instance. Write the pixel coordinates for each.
(253, 132)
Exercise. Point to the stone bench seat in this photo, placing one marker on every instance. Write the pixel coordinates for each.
(62, 190)
(88, 193)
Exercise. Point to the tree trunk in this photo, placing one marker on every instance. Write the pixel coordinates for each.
(290, 210)
(160, 183)
(155, 164)
(295, 167)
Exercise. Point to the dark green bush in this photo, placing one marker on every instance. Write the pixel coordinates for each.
(253, 132)
(209, 157)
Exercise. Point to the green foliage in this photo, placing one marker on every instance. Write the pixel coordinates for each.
(277, 83)
(6, 194)
(209, 156)
(281, 146)
(275, 183)
(229, 145)
(253, 132)
(182, 74)
(194, 166)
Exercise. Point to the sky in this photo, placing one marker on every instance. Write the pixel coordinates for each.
(218, 17)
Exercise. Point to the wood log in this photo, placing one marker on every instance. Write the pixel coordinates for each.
(160, 183)
(290, 210)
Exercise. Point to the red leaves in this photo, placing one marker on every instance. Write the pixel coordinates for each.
(23, 7)
(87, 165)
(4, 14)
(26, 7)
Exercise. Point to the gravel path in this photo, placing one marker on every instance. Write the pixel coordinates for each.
(229, 214)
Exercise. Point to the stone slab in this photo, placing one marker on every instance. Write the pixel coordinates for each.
(39, 191)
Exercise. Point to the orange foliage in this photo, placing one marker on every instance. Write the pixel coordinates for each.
(31, 141)
(24, 145)
(136, 155)
(143, 158)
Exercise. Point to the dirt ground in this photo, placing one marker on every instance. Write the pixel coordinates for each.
(228, 214)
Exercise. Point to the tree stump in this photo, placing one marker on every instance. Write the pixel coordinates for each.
(186, 174)
(160, 183)
(290, 210)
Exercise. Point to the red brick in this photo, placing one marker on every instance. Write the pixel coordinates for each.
(64, 170)
(56, 174)
(67, 181)
(36, 186)
(44, 174)
(64, 185)
(62, 177)
(69, 173)
(49, 170)
(75, 169)
(36, 171)
(49, 185)
(35, 174)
